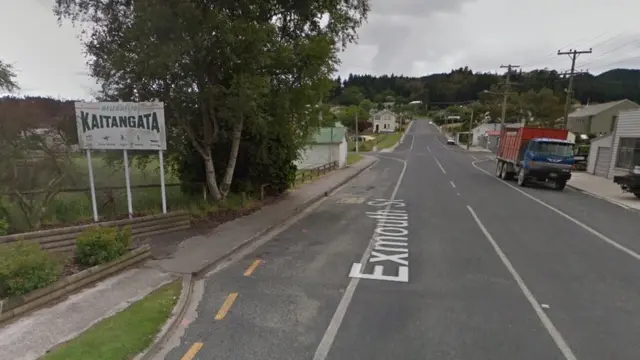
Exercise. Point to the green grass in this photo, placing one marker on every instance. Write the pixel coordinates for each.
(353, 158)
(385, 141)
(125, 334)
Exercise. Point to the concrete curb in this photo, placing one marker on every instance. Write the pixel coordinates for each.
(628, 208)
(177, 315)
(207, 267)
(20, 305)
(400, 141)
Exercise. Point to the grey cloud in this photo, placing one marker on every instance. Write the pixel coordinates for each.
(416, 8)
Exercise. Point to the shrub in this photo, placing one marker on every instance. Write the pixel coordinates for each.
(98, 245)
(25, 267)
(4, 227)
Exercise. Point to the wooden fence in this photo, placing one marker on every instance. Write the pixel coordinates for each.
(64, 239)
(304, 175)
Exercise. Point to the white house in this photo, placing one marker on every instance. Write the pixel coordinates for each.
(384, 121)
(325, 146)
(480, 131)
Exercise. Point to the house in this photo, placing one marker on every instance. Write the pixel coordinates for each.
(326, 145)
(479, 133)
(384, 121)
(618, 152)
(599, 118)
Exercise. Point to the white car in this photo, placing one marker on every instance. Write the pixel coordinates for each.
(450, 141)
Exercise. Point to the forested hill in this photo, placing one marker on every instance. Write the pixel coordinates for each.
(464, 85)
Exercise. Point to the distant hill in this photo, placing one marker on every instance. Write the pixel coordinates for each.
(464, 85)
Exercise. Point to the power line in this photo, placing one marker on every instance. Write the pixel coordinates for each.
(573, 54)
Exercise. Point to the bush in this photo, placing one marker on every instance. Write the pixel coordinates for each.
(25, 267)
(4, 227)
(98, 245)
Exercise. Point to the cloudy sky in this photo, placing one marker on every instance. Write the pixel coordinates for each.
(411, 37)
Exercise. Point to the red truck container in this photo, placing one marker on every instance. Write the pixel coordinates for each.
(535, 154)
(512, 139)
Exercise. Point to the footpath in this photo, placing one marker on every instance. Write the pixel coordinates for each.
(31, 336)
(604, 189)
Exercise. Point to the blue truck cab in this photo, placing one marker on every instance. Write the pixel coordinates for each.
(547, 160)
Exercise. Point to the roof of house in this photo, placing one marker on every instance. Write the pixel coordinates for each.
(592, 110)
(385, 111)
(329, 135)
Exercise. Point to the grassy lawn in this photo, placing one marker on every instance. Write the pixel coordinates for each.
(353, 158)
(385, 141)
(125, 334)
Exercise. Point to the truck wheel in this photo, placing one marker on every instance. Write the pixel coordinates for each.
(522, 180)
(559, 185)
(499, 166)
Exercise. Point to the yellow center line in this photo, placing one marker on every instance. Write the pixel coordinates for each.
(252, 268)
(193, 350)
(226, 306)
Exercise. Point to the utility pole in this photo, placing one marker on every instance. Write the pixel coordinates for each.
(357, 136)
(470, 135)
(506, 91)
(573, 55)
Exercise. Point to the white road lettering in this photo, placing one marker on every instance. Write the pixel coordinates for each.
(390, 243)
(397, 258)
(403, 273)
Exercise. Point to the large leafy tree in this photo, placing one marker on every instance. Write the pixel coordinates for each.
(7, 77)
(219, 66)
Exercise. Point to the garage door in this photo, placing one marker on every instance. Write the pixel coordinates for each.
(603, 159)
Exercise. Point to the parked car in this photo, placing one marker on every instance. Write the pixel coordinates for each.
(630, 182)
(450, 141)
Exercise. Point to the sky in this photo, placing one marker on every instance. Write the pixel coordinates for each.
(409, 37)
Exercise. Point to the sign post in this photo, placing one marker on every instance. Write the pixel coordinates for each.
(122, 126)
(163, 189)
(94, 205)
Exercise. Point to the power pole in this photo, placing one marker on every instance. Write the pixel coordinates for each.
(506, 91)
(573, 54)
(357, 136)
(470, 135)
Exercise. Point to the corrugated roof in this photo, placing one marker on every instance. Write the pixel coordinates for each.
(592, 110)
(329, 135)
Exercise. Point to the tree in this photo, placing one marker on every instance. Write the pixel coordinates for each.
(544, 106)
(7, 78)
(366, 105)
(351, 95)
(219, 67)
(348, 117)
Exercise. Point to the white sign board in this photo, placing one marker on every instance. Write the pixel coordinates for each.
(121, 126)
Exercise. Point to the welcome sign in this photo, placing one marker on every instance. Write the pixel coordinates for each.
(121, 126)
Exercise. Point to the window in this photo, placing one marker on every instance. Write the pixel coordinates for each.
(377, 117)
(628, 153)
(552, 148)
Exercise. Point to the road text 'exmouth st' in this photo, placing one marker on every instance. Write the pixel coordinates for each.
(390, 252)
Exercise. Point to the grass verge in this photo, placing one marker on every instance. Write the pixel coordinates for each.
(353, 158)
(385, 141)
(125, 334)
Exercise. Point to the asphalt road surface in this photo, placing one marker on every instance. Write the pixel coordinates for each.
(428, 255)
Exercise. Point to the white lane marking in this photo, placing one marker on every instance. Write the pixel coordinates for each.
(428, 148)
(332, 330)
(555, 334)
(452, 184)
(474, 158)
(594, 232)
(440, 165)
(412, 139)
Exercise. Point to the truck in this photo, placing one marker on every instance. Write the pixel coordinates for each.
(535, 155)
(630, 182)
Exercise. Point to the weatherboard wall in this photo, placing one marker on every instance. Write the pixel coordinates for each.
(628, 126)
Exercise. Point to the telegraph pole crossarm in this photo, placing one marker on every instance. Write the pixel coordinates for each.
(573, 55)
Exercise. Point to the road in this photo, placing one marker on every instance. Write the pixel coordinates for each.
(470, 267)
